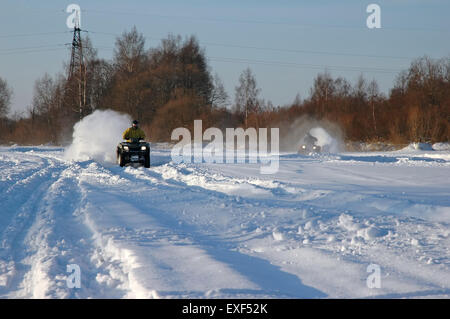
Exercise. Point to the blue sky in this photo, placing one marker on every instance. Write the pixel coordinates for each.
(286, 43)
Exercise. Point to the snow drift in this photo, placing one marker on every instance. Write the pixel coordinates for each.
(97, 135)
(441, 146)
(418, 147)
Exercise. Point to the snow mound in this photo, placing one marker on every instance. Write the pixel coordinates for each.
(441, 146)
(97, 135)
(347, 222)
(372, 232)
(418, 147)
(277, 235)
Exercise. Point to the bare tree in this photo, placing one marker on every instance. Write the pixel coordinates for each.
(5, 98)
(99, 78)
(342, 88)
(129, 52)
(219, 97)
(360, 89)
(373, 92)
(43, 95)
(89, 51)
(48, 103)
(297, 100)
(322, 91)
(446, 63)
(246, 96)
(400, 83)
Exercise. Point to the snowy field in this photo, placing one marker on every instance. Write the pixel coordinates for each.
(225, 231)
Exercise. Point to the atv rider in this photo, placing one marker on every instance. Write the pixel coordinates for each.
(134, 132)
(309, 139)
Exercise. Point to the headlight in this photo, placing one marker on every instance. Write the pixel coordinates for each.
(126, 148)
(143, 148)
(303, 146)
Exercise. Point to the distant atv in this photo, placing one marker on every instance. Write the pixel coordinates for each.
(308, 149)
(133, 152)
(309, 145)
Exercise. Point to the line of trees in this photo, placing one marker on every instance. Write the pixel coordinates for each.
(171, 85)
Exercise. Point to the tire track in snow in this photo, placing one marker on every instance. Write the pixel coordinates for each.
(11, 176)
(193, 176)
(21, 206)
(114, 263)
(18, 214)
(139, 269)
(258, 276)
(136, 233)
(266, 192)
(402, 270)
(61, 237)
(47, 234)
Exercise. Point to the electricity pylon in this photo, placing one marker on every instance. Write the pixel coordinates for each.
(77, 71)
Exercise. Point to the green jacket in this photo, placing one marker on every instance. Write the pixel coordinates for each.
(133, 133)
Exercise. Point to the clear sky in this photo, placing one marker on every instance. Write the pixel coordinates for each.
(286, 43)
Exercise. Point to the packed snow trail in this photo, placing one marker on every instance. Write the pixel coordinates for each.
(225, 231)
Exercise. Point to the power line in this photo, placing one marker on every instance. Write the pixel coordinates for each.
(292, 64)
(45, 48)
(31, 48)
(32, 51)
(244, 21)
(307, 51)
(31, 34)
(278, 49)
(298, 65)
(230, 45)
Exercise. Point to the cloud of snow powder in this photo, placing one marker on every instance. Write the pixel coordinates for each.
(329, 135)
(97, 135)
(325, 140)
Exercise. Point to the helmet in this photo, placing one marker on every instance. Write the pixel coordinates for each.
(135, 123)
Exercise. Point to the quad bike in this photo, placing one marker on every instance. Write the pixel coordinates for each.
(309, 145)
(308, 149)
(133, 152)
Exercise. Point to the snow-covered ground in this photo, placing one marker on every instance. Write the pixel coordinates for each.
(313, 230)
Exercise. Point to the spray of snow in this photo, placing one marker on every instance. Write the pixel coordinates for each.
(97, 135)
(325, 140)
(329, 135)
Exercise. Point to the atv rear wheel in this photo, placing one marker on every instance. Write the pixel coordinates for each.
(120, 159)
(147, 161)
